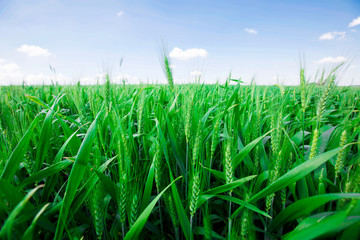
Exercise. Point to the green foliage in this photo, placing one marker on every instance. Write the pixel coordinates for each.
(180, 161)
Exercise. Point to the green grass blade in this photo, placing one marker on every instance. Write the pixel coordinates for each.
(29, 233)
(183, 219)
(201, 231)
(6, 230)
(216, 173)
(295, 174)
(314, 227)
(246, 150)
(53, 169)
(52, 180)
(83, 192)
(11, 193)
(17, 155)
(148, 187)
(75, 177)
(221, 189)
(305, 206)
(108, 185)
(44, 141)
(88, 186)
(292, 176)
(229, 186)
(244, 204)
(75, 141)
(135, 230)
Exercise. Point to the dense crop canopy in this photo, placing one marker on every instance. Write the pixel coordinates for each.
(180, 161)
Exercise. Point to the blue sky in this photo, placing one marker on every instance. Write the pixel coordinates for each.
(262, 40)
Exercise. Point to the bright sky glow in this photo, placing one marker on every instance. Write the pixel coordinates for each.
(263, 40)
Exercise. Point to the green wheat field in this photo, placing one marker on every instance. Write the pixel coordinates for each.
(197, 161)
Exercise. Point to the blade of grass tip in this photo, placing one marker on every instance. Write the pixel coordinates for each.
(31, 212)
(135, 230)
(51, 181)
(207, 114)
(11, 193)
(108, 185)
(232, 98)
(148, 187)
(298, 137)
(175, 147)
(29, 233)
(353, 209)
(88, 186)
(305, 206)
(223, 188)
(75, 142)
(49, 171)
(6, 230)
(17, 155)
(45, 136)
(216, 173)
(262, 177)
(37, 101)
(246, 150)
(75, 177)
(244, 203)
(44, 105)
(317, 227)
(84, 192)
(69, 142)
(229, 186)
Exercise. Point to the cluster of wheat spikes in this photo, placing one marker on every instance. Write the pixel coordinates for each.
(180, 162)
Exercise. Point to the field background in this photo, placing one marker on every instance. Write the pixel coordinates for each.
(180, 161)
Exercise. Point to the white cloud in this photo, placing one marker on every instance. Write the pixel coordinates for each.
(97, 78)
(277, 79)
(338, 59)
(63, 79)
(38, 79)
(187, 54)
(332, 35)
(33, 51)
(178, 80)
(129, 79)
(355, 22)
(9, 67)
(119, 14)
(11, 74)
(42, 78)
(195, 73)
(90, 80)
(251, 30)
(117, 79)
